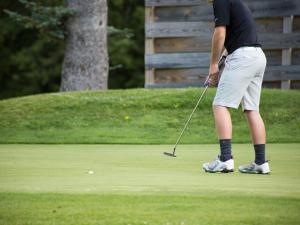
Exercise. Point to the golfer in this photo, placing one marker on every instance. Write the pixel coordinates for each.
(240, 83)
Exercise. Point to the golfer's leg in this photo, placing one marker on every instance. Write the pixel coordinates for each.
(256, 126)
(250, 105)
(223, 122)
(229, 94)
(224, 129)
(224, 163)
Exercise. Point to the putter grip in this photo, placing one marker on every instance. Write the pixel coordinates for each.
(221, 66)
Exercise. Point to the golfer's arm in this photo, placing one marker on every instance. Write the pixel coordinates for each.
(218, 41)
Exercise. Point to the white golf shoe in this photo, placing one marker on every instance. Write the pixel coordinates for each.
(253, 168)
(218, 166)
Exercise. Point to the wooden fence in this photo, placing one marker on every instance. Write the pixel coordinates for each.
(178, 41)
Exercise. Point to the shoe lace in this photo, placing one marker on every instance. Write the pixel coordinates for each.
(214, 163)
(250, 166)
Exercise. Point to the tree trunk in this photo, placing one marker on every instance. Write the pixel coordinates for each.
(85, 66)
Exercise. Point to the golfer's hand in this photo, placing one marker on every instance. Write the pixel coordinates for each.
(213, 76)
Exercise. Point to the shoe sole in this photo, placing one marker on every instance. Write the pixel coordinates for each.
(222, 171)
(261, 173)
(227, 171)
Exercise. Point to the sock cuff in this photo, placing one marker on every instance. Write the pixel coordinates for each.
(225, 141)
(225, 147)
(260, 154)
(259, 145)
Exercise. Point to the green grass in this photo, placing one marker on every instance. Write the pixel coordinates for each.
(136, 184)
(137, 116)
(147, 209)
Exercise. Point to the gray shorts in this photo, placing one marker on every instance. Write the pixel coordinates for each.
(241, 79)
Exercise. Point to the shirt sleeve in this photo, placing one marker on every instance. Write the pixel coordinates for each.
(222, 12)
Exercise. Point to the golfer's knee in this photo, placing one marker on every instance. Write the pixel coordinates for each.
(251, 113)
(218, 108)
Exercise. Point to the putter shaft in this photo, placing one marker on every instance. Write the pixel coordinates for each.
(189, 119)
(221, 66)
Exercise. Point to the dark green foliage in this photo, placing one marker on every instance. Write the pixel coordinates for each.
(30, 62)
(49, 20)
(46, 19)
(127, 53)
(31, 58)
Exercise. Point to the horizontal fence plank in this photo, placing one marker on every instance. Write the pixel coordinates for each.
(274, 8)
(152, 3)
(187, 13)
(194, 60)
(165, 76)
(204, 12)
(203, 44)
(200, 61)
(181, 85)
(201, 29)
(269, 25)
(185, 60)
(295, 84)
(181, 29)
(196, 76)
(182, 45)
(274, 57)
(274, 73)
(163, 3)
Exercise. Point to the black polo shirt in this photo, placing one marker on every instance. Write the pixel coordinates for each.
(240, 26)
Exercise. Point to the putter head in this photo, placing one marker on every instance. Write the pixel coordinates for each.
(169, 154)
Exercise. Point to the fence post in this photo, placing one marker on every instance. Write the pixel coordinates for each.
(149, 46)
(287, 53)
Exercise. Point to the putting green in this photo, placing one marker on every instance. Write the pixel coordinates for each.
(137, 184)
(141, 168)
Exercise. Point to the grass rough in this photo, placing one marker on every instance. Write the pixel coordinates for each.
(138, 116)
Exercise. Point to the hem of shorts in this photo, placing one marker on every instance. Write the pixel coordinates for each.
(224, 104)
(250, 109)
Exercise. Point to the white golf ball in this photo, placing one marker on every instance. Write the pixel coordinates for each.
(91, 172)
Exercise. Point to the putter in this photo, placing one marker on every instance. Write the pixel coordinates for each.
(206, 85)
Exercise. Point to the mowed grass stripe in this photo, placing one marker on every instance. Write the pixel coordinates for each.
(110, 209)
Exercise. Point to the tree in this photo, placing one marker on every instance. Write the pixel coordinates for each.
(32, 43)
(85, 66)
(30, 62)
